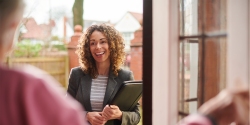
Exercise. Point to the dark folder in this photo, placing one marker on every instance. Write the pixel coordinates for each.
(128, 95)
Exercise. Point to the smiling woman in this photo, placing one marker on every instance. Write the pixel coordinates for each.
(100, 49)
(96, 34)
(97, 80)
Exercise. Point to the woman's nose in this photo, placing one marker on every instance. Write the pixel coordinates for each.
(98, 46)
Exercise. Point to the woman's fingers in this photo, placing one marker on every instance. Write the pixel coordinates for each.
(95, 118)
(106, 113)
(107, 109)
(98, 120)
(112, 112)
(114, 107)
(106, 116)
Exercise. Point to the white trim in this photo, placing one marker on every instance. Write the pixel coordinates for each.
(238, 62)
(165, 62)
(249, 47)
(249, 52)
(238, 43)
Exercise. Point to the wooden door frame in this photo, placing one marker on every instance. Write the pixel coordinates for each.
(147, 63)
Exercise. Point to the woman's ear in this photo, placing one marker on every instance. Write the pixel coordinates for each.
(14, 25)
(9, 38)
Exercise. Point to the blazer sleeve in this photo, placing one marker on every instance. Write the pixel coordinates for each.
(73, 84)
(131, 117)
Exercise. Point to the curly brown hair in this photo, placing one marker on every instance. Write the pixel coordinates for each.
(116, 48)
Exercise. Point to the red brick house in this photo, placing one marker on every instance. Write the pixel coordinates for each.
(128, 24)
(31, 30)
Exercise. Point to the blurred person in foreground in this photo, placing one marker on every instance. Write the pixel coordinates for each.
(27, 99)
(95, 83)
(230, 105)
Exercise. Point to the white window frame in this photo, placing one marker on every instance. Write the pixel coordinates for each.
(238, 42)
(165, 62)
(238, 47)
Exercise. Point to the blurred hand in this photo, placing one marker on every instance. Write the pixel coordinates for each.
(95, 118)
(112, 112)
(228, 106)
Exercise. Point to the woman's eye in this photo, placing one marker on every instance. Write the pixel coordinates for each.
(92, 43)
(103, 41)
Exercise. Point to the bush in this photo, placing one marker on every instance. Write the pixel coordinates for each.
(60, 47)
(27, 49)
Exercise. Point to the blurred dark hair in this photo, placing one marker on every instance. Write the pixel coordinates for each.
(10, 11)
(7, 10)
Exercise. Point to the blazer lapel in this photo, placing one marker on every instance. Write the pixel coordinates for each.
(86, 82)
(110, 87)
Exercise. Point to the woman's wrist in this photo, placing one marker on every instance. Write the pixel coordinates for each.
(120, 116)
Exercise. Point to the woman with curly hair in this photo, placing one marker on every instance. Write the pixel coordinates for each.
(97, 80)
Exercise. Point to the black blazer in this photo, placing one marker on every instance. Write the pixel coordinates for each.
(80, 85)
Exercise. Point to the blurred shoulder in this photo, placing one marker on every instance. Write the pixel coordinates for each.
(25, 79)
(16, 75)
(11, 75)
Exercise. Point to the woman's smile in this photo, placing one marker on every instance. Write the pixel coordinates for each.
(99, 54)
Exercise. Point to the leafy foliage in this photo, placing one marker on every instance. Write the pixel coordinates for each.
(55, 38)
(27, 49)
(60, 47)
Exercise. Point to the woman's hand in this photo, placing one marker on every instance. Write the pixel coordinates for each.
(95, 118)
(112, 112)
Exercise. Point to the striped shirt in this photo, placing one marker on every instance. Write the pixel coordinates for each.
(98, 89)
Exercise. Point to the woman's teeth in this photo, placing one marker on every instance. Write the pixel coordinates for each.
(99, 53)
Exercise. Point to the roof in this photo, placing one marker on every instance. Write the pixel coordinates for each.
(35, 31)
(137, 16)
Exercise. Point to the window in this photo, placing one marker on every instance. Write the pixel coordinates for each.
(127, 36)
(203, 39)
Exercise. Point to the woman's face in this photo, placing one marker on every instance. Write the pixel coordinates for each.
(99, 47)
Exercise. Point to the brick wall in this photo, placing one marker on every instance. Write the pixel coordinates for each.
(73, 58)
(136, 55)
